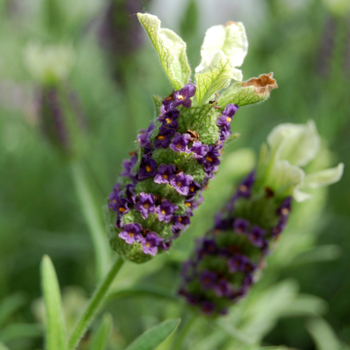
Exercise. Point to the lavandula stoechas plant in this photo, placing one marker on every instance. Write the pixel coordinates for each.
(227, 259)
(154, 198)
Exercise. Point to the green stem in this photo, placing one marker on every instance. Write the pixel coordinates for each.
(94, 304)
(93, 219)
(184, 331)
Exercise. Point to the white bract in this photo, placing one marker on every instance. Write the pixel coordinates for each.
(49, 64)
(290, 147)
(224, 48)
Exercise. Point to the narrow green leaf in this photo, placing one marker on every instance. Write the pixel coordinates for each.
(154, 336)
(3, 347)
(55, 327)
(100, 337)
(20, 330)
(9, 305)
(170, 48)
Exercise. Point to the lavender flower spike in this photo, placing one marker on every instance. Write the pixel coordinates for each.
(226, 260)
(162, 183)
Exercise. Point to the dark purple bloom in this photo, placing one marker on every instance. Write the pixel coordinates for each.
(145, 204)
(180, 221)
(123, 207)
(166, 245)
(244, 189)
(256, 236)
(208, 308)
(144, 137)
(114, 197)
(182, 97)
(164, 137)
(208, 247)
(230, 110)
(181, 182)
(223, 136)
(277, 230)
(128, 165)
(131, 233)
(130, 193)
(180, 142)
(165, 173)
(224, 121)
(199, 150)
(169, 118)
(148, 168)
(193, 189)
(191, 299)
(223, 224)
(285, 208)
(210, 160)
(223, 288)
(241, 226)
(208, 279)
(165, 210)
(240, 263)
(150, 243)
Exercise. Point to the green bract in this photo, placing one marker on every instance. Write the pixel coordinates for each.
(223, 50)
(171, 50)
(290, 147)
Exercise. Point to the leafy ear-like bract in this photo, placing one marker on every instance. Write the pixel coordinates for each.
(224, 48)
(171, 50)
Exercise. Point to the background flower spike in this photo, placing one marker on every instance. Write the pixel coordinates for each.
(226, 261)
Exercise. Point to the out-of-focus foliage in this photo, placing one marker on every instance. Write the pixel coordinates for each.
(307, 46)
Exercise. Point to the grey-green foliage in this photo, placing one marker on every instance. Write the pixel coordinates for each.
(154, 336)
(55, 327)
(100, 337)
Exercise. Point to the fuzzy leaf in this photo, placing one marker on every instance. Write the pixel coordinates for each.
(100, 337)
(171, 50)
(323, 177)
(213, 76)
(254, 90)
(154, 336)
(55, 327)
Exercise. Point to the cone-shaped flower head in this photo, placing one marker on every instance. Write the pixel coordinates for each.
(225, 262)
(179, 153)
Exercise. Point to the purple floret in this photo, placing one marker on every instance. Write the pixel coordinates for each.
(193, 190)
(148, 168)
(180, 221)
(164, 137)
(122, 207)
(130, 193)
(211, 160)
(223, 288)
(165, 210)
(208, 279)
(230, 110)
(241, 226)
(208, 308)
(145, 204)
(181, 182)
(180, 142)
(199, 150)
(131, 233)
(240, 263)
(244, 189)
(285, 208)
(114, 197)
(256, 236)
(169, 118)
(182, 97)
(128, 165)
(144, 136)
(165, 173)
(150, 243)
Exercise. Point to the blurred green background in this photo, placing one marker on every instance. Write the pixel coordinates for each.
(303, 298)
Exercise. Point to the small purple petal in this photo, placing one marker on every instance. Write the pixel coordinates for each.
(165, 173)
(180, 142)
(181, 182)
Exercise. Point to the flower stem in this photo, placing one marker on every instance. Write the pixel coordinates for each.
(91, 212)
(184, 331)
(94, 304)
